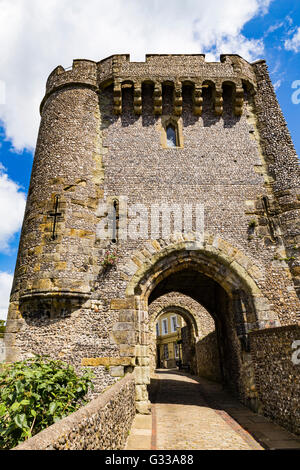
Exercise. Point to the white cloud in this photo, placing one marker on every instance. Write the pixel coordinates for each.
(36, 36)
(293, 44)
(12, 205)
(5, 288)
(238, 44)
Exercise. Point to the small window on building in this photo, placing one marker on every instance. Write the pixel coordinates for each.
(171, 136)
(165, 326)
(166, 351)
(176, 351)
(157, 329)
(174, 324)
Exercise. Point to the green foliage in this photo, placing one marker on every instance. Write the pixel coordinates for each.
(109, 259)
(252, 224)
(2, 328)
(36, 393)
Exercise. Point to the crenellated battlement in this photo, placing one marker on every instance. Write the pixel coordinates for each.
(158, 70)
(83, 72)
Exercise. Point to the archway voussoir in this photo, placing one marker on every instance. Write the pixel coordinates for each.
(156, 245)
(227, 249)
(208, 239)
(150, 247)
(256, 273)
(247, 280)
(216, 258)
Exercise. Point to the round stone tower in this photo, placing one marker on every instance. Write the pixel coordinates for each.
(53, 268)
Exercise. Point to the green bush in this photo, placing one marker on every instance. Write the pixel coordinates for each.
(2, 328)
(36, 393)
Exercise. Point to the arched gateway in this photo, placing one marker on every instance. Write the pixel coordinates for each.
(218, 277)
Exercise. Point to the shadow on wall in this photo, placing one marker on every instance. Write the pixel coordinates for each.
(208, 362)
(129, 117)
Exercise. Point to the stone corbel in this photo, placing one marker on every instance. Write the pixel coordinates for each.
(218, 100)
(157, 97)
(117, 98)
(197, 100)
(178, 99)
(137, 99)
(238, 102)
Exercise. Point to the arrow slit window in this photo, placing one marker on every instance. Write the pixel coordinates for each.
(115, 221)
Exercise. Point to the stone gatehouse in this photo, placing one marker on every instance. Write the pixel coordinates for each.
(179, 130)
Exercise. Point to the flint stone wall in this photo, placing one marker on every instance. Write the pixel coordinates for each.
(207, 354)
(276, 375)
(103, 424)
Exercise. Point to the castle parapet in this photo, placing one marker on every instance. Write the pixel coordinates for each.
(83, 72)
(174, 70)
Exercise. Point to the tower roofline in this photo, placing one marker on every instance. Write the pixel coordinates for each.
(181, 68)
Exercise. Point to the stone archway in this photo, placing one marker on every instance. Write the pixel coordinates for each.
(198, 322)
(190, 328)
(218, 276)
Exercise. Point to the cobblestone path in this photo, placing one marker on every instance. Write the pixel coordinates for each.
(190, 413)
(184, 420)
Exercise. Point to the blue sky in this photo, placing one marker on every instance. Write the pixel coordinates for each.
(38, 36)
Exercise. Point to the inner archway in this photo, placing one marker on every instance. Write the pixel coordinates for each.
(226, 311)
(196, 328)
(169, 351)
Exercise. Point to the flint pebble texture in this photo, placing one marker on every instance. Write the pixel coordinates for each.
(276, 359)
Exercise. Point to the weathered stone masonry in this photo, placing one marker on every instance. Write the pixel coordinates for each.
(102, 136)
(276, 376)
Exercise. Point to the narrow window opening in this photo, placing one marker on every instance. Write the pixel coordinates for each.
(56, 216)
(174, 324)
(115, 222)
(266, 204)
(171, 136)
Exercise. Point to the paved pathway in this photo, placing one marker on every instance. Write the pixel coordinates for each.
(189, 413)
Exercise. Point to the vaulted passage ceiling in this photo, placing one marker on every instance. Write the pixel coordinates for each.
(194, 284)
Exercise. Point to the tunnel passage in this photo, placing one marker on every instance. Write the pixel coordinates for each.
(229, 311)
(224, 282)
